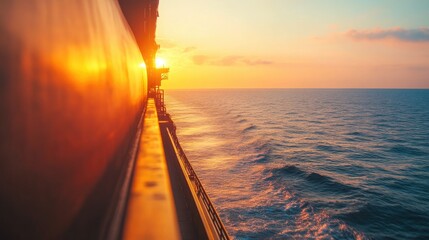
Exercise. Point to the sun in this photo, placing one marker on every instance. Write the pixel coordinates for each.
(160, 62)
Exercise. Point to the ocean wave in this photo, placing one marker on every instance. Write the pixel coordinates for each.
(395, 140)
(318, 181)
(262, 158)
(330, 148)
(263, 146)
(328, 183)
(362, 155)
(300, 221)
(249, 128)
(409, 221)
(356, 134)
(263, 150)
(356, 139)
(401, 149)
(242, 120)
(320, 132)
(289, 170)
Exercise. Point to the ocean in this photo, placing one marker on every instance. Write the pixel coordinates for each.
(310, 163)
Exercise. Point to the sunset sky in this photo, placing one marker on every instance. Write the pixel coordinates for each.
(295, 43)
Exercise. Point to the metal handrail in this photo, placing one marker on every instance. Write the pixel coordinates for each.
(202, 194)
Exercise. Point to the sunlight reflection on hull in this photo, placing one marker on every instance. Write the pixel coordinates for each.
(71, 92)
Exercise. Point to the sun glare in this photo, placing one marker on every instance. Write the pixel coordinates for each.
(160, 62)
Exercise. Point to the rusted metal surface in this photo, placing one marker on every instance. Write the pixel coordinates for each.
(151, 212)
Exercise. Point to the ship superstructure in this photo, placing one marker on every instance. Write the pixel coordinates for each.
(142, 17)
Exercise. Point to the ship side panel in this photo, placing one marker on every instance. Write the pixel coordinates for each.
(71, 91)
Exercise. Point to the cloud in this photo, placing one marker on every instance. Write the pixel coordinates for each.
(200, 59)
(189, 49)
(398, 34)
(228, 61)
(171, 45)
(164, 43)
(257, 62)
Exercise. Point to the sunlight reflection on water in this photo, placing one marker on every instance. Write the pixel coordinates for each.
(318, 164)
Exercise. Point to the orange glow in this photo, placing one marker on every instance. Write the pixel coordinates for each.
(235, 49)
(84, 68)
(72, 93)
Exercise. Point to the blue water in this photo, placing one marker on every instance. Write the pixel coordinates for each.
(311, 164)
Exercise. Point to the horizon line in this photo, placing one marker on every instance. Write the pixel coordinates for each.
(254, 88)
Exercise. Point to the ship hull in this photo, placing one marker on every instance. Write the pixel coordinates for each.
(71, 94)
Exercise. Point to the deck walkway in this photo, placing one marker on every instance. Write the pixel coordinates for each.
(151, 213)
(166, 200)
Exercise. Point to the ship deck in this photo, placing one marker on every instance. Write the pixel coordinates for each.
(163, 198)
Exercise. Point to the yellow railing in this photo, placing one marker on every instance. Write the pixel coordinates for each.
(214, 226)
